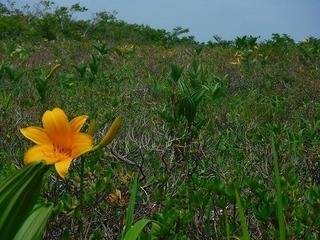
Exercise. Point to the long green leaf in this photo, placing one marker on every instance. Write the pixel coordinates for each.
(198, 95)
(227, 227)
(184, 88)
(244, 226)
(34, 225)
(187, 108)
(130, 213)
(135, 231)
(18, 195)
(176, 72)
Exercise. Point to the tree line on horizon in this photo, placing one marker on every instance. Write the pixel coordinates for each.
(46, 20)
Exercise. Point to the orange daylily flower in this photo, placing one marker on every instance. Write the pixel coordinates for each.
(59, 141)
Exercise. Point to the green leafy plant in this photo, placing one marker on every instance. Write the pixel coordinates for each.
(102, 49)
(19, 211)
(34, 226)
(4, 101)
(42, 84)
(81, 68)
(244, 226)
(197, 123)
(93, 67)
(133, 231)
(12, 73)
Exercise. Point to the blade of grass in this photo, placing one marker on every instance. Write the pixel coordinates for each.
(278, 188)
(130, 213)
(227, 227)
(244, 226)
(135, 231)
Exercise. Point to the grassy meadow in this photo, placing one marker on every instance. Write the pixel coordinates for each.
(222, 138)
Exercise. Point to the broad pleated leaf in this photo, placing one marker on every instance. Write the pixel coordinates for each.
(18, 195)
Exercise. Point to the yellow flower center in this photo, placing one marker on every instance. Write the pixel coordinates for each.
(60, 153)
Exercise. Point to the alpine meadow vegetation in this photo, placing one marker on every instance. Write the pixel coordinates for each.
(217, 140)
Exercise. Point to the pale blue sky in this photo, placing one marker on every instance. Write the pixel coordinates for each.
(205, 18)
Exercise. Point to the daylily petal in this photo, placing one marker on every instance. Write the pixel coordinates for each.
(62, 167)
(40, 152)
(77, 123)
(57, 127)
(82, 143)
(36, 134)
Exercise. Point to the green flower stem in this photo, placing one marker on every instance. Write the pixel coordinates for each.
(81, 205)
(95, 148)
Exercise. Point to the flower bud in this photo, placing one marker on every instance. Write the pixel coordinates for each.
(53, 70)
(112, 132)
(92, 127)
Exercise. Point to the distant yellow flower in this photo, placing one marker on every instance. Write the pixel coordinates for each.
(59, 141)
(238, 57)
(133, 47)
(85, 45)
(114, 197)
(301, 69)
(234, 62)
(123, 49)
(170, 53)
